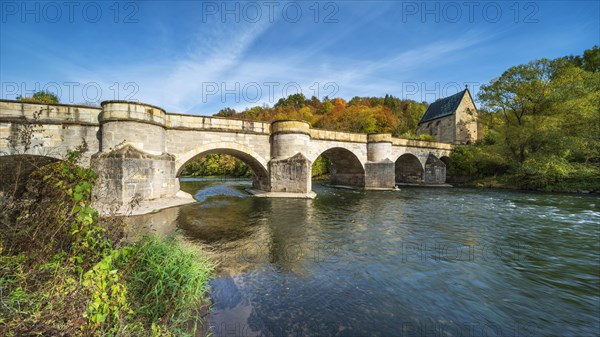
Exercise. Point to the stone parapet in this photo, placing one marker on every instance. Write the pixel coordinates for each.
(17, 111)
(421, 144)
(194, 122)
(289, 138)
(338, 136)
(132, 111)
(379, 138)
(290, 126)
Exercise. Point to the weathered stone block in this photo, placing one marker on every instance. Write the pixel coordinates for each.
(127, 174)
(291, 175)
(380, 174)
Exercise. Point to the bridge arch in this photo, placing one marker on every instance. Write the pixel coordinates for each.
(256, 162)
(346, 168)
(409, 169)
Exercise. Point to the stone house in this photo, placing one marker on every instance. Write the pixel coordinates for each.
(452, 119)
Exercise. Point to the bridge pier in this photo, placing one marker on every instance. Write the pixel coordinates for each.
(289, 169)
(379, 169)
(435, 170)
(132, 164)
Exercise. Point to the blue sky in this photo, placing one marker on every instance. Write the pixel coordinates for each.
(199, 57)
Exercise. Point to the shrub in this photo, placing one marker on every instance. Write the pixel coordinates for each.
(541, 171)
(321, 166)
(476, 162)
(166, 281)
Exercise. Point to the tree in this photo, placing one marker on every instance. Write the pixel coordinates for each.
(226, 112)
(40, 97)
(295, 101)
(518, 95)
(542, 124)
(590, 61)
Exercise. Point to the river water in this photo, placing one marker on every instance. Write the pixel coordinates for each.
(414, 262)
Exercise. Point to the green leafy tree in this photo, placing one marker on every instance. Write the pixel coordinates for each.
(295, 100)
(40, 97)
(226, 112)
(542, 125)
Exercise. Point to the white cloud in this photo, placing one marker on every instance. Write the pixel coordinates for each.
(220, 54)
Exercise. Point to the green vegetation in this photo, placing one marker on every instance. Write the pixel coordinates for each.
(217, 165)
(65, 272)
(320, 168)
(168, 281)
(213, 165)
(542, 128)
(40, 97)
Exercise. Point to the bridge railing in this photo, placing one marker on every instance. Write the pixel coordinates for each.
(195, 122)
(421, 143)
(340, 136)
(76, 114)
(48, 113)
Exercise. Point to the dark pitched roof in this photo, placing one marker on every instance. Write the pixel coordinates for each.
(443, 107)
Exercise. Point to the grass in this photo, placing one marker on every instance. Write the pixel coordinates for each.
(154, 287)
(167, 281)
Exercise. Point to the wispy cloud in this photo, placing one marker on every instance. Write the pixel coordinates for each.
(369, 52)
(176, 83)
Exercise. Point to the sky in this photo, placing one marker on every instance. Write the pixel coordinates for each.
(198, 57)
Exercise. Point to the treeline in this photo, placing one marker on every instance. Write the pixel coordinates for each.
(542, 127)
(360, 114)
(223, 165)
(217, 165)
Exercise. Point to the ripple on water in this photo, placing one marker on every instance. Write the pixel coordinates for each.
(356, 263)
(219, 190)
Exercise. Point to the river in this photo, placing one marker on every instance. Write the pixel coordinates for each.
(414, 262)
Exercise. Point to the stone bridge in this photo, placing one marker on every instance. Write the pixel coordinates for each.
(140, 150)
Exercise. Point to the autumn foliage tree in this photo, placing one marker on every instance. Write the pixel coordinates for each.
(360, 114)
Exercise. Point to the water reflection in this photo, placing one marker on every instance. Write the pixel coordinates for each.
(163, 224)
(416, 262)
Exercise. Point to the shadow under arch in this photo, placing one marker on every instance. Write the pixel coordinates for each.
(15, 170)
(346, 169)
(260, 176)
(409, 169)
(448, 162)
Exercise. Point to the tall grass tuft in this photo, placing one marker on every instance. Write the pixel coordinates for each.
(167, 282)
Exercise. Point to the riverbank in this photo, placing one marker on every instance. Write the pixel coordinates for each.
(148, 206)
(510, 182)
(66, 271)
